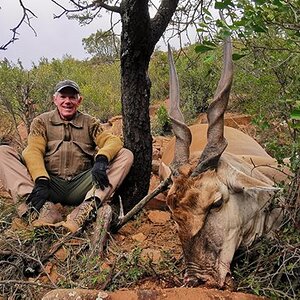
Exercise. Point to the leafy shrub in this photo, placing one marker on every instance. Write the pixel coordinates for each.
(161, 123)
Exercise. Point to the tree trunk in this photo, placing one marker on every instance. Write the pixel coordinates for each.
(135, 84)
(138, 39)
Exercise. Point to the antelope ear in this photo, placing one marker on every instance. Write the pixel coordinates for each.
(261, 189)
(242, 182)
(238, 181)
(261, 195)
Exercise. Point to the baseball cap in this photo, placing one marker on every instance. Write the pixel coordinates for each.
(66, 83)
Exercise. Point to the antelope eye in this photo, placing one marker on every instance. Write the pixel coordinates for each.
(218, 203)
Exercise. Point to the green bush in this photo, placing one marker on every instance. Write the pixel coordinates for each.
(161, 123)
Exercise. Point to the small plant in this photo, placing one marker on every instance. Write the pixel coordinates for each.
(162, 123)
(129, 269)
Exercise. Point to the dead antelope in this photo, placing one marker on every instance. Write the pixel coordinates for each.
(219, 201)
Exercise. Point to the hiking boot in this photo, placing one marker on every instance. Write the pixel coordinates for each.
(49, 215)
(79, 216)
(22, 209)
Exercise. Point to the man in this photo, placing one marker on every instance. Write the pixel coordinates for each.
(69, 160)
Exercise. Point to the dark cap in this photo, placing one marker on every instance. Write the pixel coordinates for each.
(66, 83)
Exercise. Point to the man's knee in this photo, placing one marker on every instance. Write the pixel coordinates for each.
(7, 152)
(126, 155)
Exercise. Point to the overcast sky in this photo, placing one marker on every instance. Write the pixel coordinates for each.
(55, 37)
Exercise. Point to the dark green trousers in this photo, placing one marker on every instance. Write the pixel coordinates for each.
(70, 192)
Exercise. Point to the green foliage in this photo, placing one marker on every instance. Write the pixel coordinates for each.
(252, 19)
(205, 46)
(100, 86)
(13, 80)
(260, 25)
(161, 122)
(198, 76)
(295, 113)
(159, 76)
(267, 88)
(104, 46)
(130, 269)
(101, 90)
(271, 267)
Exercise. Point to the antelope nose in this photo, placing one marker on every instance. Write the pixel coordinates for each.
(191, 281)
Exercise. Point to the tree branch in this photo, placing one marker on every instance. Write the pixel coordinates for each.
(67, 10)
(164, 185)
(162, 18)
(99, 3)
(22, 282)
(27, 15)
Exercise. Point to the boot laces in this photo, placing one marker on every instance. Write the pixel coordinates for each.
(83, 212)
(46, 209)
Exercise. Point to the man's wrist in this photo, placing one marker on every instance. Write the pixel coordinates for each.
(42, 181)
(101, 158)
(41, 178)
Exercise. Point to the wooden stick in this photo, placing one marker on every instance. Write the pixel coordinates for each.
(160, 188)
(102, 225)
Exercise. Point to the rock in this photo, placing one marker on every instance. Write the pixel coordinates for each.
(155, 166)
(156, 153)
(159, 217)
(114, 125)
(159, 201)
(62, 254)
(140, 237)
(76, 294)
(152, 254)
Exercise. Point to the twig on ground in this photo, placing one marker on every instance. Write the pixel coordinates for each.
(102, 225)
(160, 188)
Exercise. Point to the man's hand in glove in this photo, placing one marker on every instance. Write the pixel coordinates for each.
(40, 193)
(99, 172)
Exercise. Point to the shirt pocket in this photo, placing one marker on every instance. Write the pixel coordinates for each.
(53, 157)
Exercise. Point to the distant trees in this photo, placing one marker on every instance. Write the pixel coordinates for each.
(26, 93)
(103, 46)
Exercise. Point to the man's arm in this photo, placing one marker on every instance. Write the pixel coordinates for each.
(108, 144)
(34, 153)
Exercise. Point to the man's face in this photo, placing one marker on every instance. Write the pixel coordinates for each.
(67, 101)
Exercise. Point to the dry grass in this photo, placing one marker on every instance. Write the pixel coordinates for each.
(36, 260)
(271, 267)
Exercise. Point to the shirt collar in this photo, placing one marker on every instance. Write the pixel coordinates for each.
(77, 121)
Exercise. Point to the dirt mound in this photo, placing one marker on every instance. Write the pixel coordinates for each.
(156, 294)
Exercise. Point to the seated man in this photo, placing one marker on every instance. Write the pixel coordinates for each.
(69, 160)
